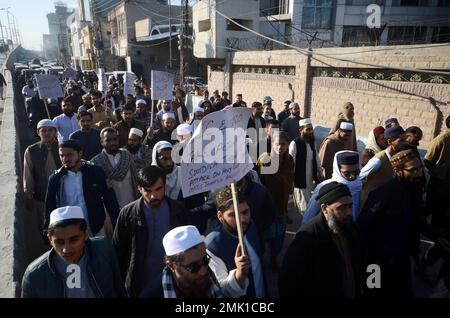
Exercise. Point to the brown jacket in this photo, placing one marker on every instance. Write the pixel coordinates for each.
(345, 115)
(279, 184)
(437, 159)
(328, 149)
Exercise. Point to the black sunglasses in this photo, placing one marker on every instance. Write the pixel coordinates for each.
(196, 266)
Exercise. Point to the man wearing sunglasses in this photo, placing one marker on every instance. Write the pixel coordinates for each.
(186, 273)
(391, 223)
(345, 171)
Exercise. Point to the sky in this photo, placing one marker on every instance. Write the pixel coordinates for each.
(31, 20)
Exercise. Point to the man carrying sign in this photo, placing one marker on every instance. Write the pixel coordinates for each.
(223, 247)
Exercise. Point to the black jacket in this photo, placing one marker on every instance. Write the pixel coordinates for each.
(391, 222)
(312, 266)
(97, 196)
(131, 236)
(160, 135)
(42, 280)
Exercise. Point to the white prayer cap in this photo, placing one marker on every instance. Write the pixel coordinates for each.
(168, 115)
(304, 122)
(180, 239)
(135, 131)
(160, 145)
(346, 126)
(293, 104)
(183, 129)
(141, 101)
(198, 110)
(66, 213)
(46, 123)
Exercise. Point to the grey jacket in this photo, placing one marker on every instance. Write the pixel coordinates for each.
(41, 279)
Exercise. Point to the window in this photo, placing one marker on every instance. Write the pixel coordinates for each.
(364, 2)
(234, 27)
(411, 3)
(360, 36)
(269, 7)
(121, 26)
(317, 14)
(407, 35)
(441, 35)
(204, 25)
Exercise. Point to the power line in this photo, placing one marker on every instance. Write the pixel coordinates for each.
(308, 53)
(106, 9)
(101, 3)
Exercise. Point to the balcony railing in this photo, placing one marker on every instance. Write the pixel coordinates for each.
(282, 8)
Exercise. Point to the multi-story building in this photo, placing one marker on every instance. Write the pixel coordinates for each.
(130, 25)
(58, 34)
(317, 23)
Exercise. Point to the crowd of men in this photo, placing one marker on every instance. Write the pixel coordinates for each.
(104, 189)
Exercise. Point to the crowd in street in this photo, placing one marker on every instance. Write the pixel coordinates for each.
(105, 191)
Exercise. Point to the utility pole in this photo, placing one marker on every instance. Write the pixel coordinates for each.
(9, 25)
(1, 28)
(16, 31)
(184, 41)
(96, 35)
(170, 34)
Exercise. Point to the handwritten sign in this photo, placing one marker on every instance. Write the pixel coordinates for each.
(216, 155)
(162, 83)
(102, 81)
(69, 73)
(128, 83)
(49, 86)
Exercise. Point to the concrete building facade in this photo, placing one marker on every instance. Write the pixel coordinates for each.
(58, 34)
(323, 84)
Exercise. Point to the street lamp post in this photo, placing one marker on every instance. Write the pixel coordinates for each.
(8, 28)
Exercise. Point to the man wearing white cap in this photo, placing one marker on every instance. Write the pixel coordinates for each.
(290, 124)
(142, 154)
(119, 167)
(166, 108)
(162, 157)
(165, 133)
(141, 227)
(76, 266)
(199, 113)
(347, 115)
(141, 113)
(187, 273)
(338, 141)
(40, 160)
(307, 164)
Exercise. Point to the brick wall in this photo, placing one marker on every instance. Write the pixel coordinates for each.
(372, 108)
(423, 103)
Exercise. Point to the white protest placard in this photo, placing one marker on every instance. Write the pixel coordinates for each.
(217, 154)
(49, 86)
(162, 84)
(128, 83)
(102, 81)
(69, 73)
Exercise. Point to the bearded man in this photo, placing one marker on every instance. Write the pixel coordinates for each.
(324, 259)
